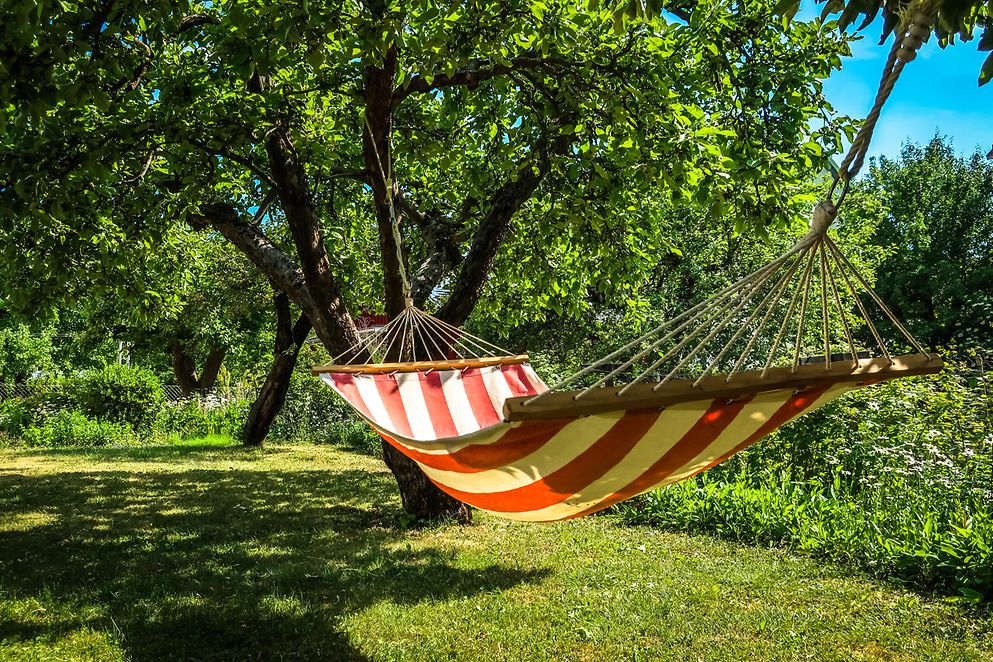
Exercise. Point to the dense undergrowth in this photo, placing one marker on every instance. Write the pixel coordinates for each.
(896, 480)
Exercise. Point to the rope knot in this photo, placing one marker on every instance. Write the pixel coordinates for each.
(917, 34)
(824, 214)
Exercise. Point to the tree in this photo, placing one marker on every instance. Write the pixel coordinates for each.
(360, 154)
(210, 305)
(939, 223)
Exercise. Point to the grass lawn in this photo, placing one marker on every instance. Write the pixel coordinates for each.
(204, 551)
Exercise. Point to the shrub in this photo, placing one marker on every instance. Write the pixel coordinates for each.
(357, 436)
(200, 417)
(15, 416)
(121, 394)
(312, 412)
(73, 428)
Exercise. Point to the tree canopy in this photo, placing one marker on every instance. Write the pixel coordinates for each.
(542, 128)
(939, 220)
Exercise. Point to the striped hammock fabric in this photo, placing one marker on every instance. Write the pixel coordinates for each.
(451, 423)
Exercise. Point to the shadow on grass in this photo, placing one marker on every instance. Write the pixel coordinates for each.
(215, 564)
(178, 450)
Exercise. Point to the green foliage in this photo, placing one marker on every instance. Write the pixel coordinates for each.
(15, 416)
(893, 531)
(897, 479)
(116, 133)
(68, 428)
(952, 19)
(23, 352)
(939, 219)
(315, 413)
(195, 418)
(121, 394)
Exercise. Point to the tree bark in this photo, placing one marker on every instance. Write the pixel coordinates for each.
(378, 153)
(211, 367)
(184, 368)
(289, 339)
(420, 497)
(329, 311)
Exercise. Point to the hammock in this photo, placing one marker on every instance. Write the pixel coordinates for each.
(487, 430)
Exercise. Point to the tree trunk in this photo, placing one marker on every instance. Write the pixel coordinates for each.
(493, 230)
(420, 497)
(289, 339)
(184, 368)
(301, 217)
(211, 366)
(378, 155)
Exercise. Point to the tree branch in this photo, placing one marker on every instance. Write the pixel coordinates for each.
(240, 160)
(493, 230)
(250, 240)
(195, 21)
(473, 77)
(378, 153)
(330, 317)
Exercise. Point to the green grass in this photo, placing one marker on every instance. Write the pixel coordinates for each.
(207, 551)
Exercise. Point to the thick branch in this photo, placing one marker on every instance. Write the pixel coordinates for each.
(328, 313)
(250, 240)
(492, 232)
(378, 154)
(467, 77)
(195, 21)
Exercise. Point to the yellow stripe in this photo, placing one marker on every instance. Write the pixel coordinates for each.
(564, 447)
(673, 423)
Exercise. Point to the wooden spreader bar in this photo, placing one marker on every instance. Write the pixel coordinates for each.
(420, 366)
(563, 404)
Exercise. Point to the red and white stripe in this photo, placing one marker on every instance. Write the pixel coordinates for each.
(450, 422)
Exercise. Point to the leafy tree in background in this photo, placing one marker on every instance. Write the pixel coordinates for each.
(62, 343)
(939, 221)
(23, 351)
(215, 309)
(362, 153)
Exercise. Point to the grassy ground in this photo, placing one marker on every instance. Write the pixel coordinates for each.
(208, 552)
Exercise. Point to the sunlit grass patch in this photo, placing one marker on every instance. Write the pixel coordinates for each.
(24, 521)
(301, 552)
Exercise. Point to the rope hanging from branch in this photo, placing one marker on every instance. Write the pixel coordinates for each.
(712, 334)
(913, 35)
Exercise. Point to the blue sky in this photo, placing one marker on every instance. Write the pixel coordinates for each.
(937, 92)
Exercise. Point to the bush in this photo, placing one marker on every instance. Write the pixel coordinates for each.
(312, 412)
(121, 394)
(199, 417)
(357, 436)
(73, 428)
(16, 416)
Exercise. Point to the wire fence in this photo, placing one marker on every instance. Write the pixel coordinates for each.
(172, 392)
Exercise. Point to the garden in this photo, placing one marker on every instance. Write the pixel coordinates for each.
(544, 331)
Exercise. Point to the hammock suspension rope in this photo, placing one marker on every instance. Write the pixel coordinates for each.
(697, 389)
